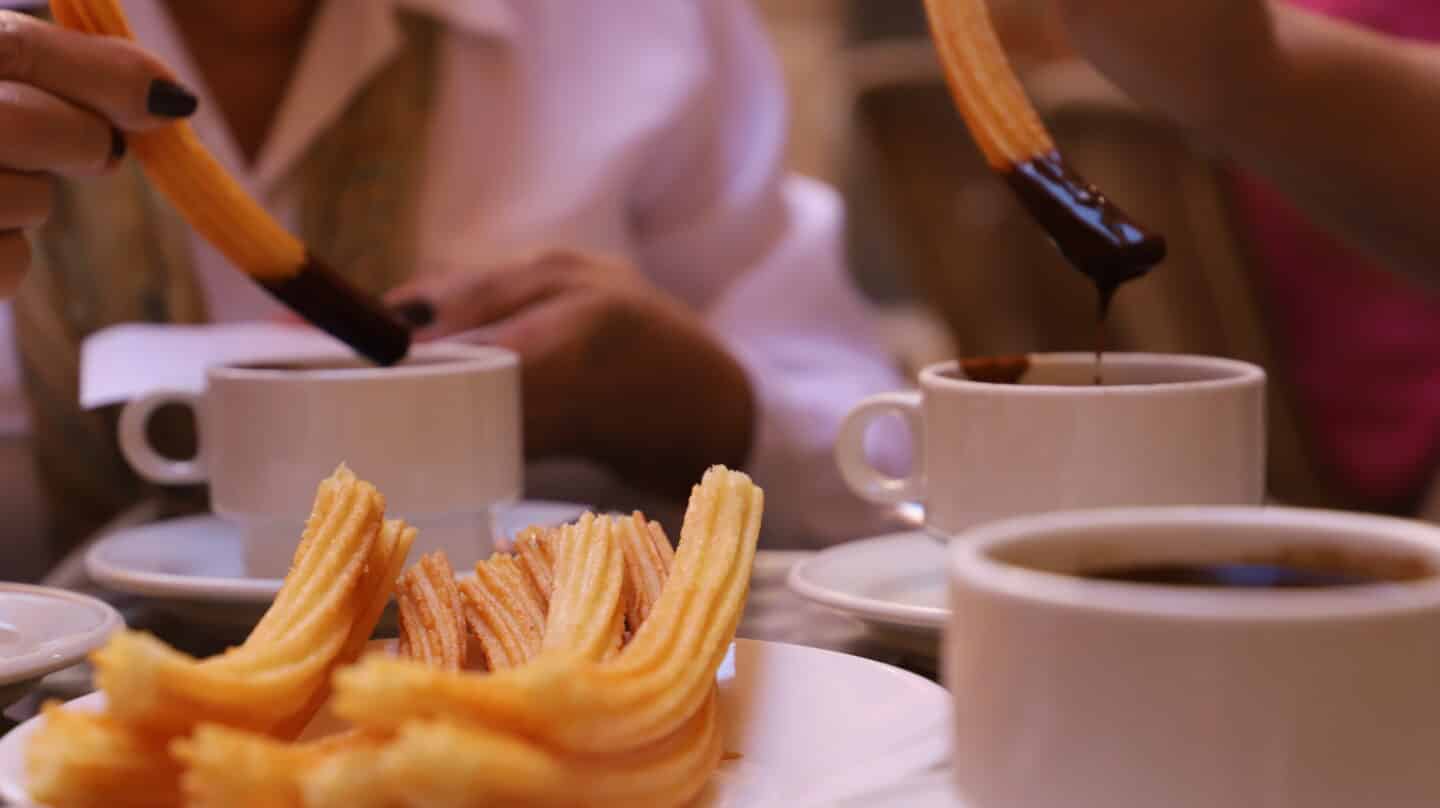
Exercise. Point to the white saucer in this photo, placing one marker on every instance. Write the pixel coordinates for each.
(811, 728)
(43, 630)
(894, 583)
(198, 559)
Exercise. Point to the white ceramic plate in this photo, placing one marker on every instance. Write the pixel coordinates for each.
(812, 728)
(43, 630)
(200, 559)
(894, 582)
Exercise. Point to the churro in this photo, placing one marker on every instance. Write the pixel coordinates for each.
(89, 760)
(648, 557)
(568, 715)
(504, 613)
(272, 680)
(535, 550)
(587, 607)
(645, 693)
(1098, 238)
(432, 617)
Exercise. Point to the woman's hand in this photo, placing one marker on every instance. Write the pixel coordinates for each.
(66, 100)
(613, 368)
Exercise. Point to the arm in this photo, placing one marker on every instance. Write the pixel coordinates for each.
(1341, 119)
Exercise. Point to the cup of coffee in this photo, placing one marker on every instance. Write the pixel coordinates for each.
(1008, 436)
(439, 434)
(1203, 657)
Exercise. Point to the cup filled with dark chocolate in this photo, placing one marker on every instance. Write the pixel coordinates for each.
(1195, 657)
(995, 437)
(439, 432)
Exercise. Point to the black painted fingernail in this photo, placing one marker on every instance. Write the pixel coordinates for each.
(418, 313)
(169, 100)
(118, 145)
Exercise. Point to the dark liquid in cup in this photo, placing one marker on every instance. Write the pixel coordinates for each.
(995, 369)
(1261, 575)
(335, 364)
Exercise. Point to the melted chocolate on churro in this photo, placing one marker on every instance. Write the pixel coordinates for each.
(329, 300)
(1096, 237)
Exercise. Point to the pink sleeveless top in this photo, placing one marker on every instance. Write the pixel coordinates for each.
(1362, 344)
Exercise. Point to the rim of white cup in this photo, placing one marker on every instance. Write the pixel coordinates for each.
(972, 563)
(1236, 373)
(465, 357)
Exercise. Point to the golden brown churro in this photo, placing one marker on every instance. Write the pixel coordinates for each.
(566, 717)
(535, 550)
(432, 617)
(504, 613)
(648, 557)
(587, 607)
(341, 577)
(272, 679)
(182, 169)
(85, 760)
(644, 694)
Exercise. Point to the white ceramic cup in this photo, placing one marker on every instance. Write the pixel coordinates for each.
(1161, 430)
(439, 435)
(1075, 692)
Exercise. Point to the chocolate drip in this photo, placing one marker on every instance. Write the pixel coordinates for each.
(1096, 237)
(327, 299)
(996, 369)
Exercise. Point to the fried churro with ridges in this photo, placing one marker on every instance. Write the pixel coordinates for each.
(648, 557)
(504, 613)
(587, 607)
(657, 683)
(535, 550)
(392, 547)
(272, 679)
(432, 617)
(989, 96)
(91, 760)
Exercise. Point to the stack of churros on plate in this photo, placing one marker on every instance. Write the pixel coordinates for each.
(577, 671)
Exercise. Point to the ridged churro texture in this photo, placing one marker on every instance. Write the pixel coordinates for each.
(432, 617)
(342, 575)
(990, 97)
(272, 680)
(575, 707)
(189, 176)
(568, 714)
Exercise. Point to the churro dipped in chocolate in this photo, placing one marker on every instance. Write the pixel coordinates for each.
(1092, 233)
(213, 203)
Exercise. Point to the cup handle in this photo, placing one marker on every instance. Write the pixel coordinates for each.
(866, 481)
(135, 444)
